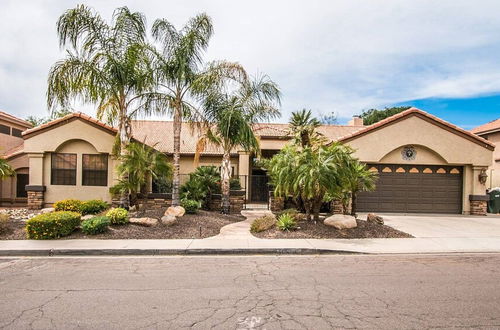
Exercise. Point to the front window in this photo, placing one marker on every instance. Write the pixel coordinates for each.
(95, 170)
(63, 169)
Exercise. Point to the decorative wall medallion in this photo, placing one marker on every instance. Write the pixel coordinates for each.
(409, 153)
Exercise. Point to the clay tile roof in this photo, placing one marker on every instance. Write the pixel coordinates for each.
(14, 119)
(414, 111)
(14, 151)
(66, 118)
(490, 127)
(159, 134)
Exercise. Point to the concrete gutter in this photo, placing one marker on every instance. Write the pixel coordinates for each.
(211, 246)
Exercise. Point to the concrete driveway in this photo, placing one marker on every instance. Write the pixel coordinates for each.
(445, 225)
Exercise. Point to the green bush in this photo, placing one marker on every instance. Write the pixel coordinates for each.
(118, 216)
(52, 225)
(262, 223)
(95, 225)
(4, 222)
(93, 206)
(72, 205)
(286, 222)
(291, 212)
(191, 206)
(234, 184)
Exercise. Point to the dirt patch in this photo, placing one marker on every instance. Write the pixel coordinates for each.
(201, 225)
(309, 229)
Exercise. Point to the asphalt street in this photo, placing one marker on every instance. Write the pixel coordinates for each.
(251, 292)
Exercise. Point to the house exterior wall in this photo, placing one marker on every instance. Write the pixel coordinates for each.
(8, 186)
(8, 142)
(54, 193)
(494, 169)
(76, 137)
(434, 146)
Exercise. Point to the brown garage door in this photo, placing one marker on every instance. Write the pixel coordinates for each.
(414, 189)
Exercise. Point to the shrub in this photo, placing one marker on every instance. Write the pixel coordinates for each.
(118, 216)
(262, 223)
(93, 206)
(286, 222)
(234, 184)
(95, 225)
(191, 206)
(4, 222)
(52, 225)
(292, 212)
(72, 205)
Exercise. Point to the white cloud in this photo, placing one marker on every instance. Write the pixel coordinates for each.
(340, 56)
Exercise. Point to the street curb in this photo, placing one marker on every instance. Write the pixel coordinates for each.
(171, 252)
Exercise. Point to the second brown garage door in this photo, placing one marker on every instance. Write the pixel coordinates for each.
(414, 189)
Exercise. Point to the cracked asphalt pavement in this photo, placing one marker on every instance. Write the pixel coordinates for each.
(251, 292)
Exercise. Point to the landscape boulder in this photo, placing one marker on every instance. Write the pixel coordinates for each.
(88, 216)
(47, 210)
(168, 220)
(176, 211)
(147, 222)
(372, 217)
(341, 221)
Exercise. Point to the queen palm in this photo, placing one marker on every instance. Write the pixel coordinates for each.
(228, 122)
(183, 78)
(106, 66)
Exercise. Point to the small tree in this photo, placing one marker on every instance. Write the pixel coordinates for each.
(374, 115)
(5, 169)
(140, 163)
(310, 173)
(357, 178)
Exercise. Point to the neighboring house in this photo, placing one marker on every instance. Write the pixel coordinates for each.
(12, 190)
(491, 132)
(425, 164)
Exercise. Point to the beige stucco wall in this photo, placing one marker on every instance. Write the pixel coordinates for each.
(434, 146)
(58, 192)
(494, 170)
(8, 186)
(76, 137)
(52, 139)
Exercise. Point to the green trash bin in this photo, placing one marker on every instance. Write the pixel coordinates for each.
(494, 202)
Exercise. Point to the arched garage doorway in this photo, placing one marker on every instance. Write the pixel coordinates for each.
(414, 189)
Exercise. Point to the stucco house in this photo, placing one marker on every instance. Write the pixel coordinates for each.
(425, 165)
(491, 132)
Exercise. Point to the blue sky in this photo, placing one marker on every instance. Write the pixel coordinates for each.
(339, 56)
(466, 113)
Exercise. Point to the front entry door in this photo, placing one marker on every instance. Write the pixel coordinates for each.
(22, 181)
(260, 188)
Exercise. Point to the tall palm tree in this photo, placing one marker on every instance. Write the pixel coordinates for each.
(5, 169)
(303, 128)
(106, 65)
(229, 118)
(183, 78)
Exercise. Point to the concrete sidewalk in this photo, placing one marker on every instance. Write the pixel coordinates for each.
(248, 246)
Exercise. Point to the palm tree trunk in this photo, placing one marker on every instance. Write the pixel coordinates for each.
(354, 203)
(316, 208)
(177, 149)
(123, 131)
(225, 176)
